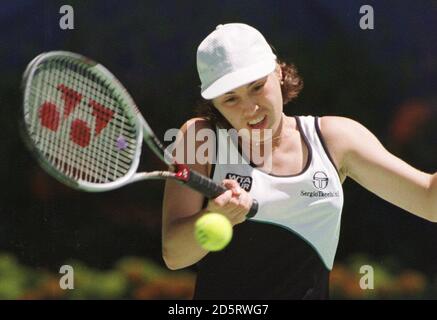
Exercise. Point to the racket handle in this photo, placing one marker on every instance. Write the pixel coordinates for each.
(210, 189)
(253, 209)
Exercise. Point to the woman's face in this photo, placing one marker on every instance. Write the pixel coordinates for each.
(257, 105)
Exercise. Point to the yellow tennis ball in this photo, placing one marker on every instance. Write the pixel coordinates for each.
(213, 231)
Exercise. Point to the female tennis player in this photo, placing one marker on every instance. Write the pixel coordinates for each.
(287, 250)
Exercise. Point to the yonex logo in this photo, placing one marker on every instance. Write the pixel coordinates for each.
(80, 131)
(320, 180)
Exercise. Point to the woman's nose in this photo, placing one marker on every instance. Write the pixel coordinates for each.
(250, 108)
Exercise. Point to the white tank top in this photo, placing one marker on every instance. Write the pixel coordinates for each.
(308, 204)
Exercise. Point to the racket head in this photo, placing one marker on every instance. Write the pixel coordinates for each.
(80, 123)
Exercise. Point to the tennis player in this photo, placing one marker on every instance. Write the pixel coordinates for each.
(287, 250)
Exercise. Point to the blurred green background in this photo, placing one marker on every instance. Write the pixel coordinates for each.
(385, 78)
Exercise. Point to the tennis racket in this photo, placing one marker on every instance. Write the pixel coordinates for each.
(86, 131)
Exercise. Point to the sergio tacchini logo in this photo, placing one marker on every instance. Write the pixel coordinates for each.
(320, 180)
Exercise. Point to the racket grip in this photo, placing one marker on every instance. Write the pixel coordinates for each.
(210, 189)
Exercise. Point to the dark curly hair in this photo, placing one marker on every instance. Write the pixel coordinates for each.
(291, 86)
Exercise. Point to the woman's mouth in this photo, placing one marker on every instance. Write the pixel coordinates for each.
(258, 123)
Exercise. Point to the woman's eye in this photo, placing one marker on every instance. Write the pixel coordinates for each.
(229, 100)
(258, 87)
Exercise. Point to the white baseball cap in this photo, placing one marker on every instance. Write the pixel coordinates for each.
(233, 55)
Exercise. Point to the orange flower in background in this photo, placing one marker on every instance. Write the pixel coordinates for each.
(345, 283)
(166, 288)
(51, 289)
(410, 116)
(411, 282)
(47, 290)
(339, 275)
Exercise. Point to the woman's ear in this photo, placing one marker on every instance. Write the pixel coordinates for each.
(279, 73)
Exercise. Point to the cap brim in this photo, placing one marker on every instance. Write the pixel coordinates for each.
(239, 78)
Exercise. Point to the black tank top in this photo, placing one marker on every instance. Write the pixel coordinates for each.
(262, 267)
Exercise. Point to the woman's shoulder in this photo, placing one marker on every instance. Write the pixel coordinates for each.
(337, 126)
(345, 134)
(335, 131)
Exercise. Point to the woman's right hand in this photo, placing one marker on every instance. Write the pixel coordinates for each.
(235, 203)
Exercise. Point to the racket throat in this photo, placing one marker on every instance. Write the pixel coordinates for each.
(182, 172)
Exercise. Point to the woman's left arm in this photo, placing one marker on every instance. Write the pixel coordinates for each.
(365, 160)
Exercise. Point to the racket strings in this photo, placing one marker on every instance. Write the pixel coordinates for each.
(76, 120)
(88, 163)
(54, 151)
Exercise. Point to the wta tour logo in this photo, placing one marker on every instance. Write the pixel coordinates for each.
(245, 182)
